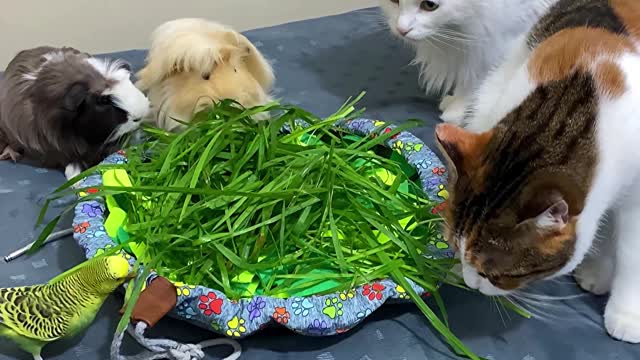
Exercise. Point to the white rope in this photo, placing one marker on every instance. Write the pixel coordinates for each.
(237, 349)
(168, 349)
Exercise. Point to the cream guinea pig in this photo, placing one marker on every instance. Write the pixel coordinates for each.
(193, 63)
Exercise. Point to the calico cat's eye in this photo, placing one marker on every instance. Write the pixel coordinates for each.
(429, 5)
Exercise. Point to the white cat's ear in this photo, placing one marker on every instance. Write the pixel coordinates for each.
(554, 218)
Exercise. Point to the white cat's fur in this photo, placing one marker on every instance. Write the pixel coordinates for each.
(461, 41)
(615, 264)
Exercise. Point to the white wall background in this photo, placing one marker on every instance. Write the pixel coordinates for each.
(108, 25)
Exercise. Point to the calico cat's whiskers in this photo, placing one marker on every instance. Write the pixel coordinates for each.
(497, 304)
(543, 297)
(507, 311)
(543, 306)
(547, 312)
(539, 310)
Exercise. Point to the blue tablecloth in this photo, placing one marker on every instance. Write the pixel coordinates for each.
(319, 63)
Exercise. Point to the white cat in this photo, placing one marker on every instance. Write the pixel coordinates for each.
(457, 42)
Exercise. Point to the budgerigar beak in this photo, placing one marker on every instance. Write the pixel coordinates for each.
(132, 275)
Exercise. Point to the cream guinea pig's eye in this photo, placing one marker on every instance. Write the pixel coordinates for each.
(206, 76)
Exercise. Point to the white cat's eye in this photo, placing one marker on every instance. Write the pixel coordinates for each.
(429, 5)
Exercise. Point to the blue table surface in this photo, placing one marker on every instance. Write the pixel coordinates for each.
(319, 63)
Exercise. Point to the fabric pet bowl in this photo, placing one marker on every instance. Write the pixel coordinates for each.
(313, 315)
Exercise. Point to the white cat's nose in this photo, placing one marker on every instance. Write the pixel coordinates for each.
(403, 30)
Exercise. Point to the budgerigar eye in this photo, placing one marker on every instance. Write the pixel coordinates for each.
(429, 5)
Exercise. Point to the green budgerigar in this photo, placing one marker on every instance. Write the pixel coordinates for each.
(34, 316)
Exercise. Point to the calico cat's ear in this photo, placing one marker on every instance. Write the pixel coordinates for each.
(462, 148)
(554, 218)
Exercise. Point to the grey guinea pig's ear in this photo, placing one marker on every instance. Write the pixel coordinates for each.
(75, 96)
(124, 65)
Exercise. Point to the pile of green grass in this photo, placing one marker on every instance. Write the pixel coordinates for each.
(230, 196)
(299, 212)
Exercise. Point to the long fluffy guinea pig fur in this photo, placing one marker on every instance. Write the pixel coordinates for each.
(193, 63)
(65, 109)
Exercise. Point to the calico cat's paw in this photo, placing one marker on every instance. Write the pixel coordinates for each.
(623, 322)
(595, 275)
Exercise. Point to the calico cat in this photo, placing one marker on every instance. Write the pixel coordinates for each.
(457, 42)
(553, 144)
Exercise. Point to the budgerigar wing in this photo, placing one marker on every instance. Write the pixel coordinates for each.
(32, 312)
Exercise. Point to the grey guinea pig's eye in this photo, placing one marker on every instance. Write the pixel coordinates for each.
(429, 5)
(206, 76)
(104, 100)
(395, 1)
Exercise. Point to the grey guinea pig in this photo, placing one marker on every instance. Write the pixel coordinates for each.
(66, 109)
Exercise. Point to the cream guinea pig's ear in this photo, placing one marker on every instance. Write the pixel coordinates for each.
(257, 65)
